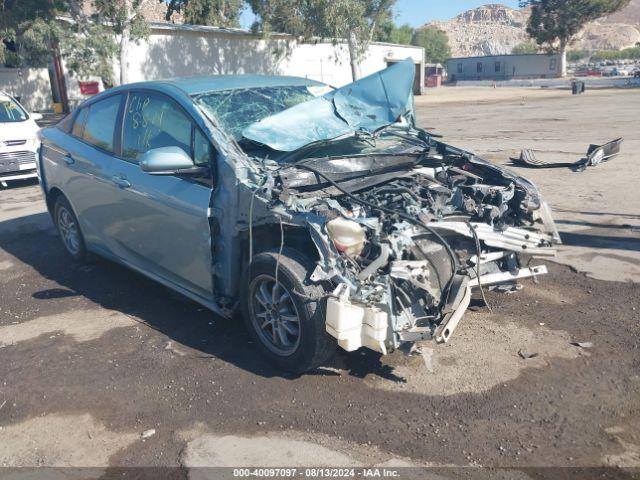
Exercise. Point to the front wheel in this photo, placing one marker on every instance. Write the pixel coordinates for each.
(284, 311)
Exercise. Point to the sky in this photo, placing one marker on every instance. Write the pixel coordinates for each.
(419, 12)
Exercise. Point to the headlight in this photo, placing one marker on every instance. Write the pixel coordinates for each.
(347, 236)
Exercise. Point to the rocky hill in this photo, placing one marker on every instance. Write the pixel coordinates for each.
(495, 29)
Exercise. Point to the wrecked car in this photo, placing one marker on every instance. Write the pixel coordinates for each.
(323, 216)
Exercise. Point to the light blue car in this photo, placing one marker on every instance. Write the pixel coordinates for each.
(325, 217)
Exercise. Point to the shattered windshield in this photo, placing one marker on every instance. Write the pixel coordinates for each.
(237, 109)
(366, 105)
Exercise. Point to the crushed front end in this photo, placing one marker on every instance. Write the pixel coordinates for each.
(405, 246)
(405, 226)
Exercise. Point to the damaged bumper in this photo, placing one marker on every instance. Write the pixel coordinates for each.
(355, 324)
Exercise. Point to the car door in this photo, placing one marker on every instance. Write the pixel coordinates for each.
(161, 223)
(85, 155)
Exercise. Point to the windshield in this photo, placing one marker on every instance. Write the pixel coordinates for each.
(366, 105)
(10, 111)
(237, 109)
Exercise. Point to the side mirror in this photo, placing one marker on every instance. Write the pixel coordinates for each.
(36, 116)
(169, 161)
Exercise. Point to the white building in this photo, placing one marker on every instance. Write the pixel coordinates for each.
(178, 50)
(503, 67)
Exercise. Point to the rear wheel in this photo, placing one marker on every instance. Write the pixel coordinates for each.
(69, 230)
(284, 311)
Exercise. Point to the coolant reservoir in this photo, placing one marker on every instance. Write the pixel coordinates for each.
(347, 235)
(344, 320)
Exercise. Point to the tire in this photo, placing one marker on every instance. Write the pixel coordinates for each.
(312, 345)
(69, 230)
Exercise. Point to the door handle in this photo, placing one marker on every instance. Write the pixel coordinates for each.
(120, 181)
(69, 160)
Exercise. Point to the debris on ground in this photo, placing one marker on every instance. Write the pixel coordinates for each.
(527, 355)
(169, 346)
(148, 433)
(507, 288)
(427, 356)
(582, 344)
(596, 154)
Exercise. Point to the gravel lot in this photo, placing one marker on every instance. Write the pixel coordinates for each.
(100, 367)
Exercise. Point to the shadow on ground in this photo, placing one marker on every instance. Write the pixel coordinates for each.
(33, 241)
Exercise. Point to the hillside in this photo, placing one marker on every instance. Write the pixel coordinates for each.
(495, 29)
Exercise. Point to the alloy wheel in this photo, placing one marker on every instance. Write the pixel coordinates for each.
(69, 231)
(274, 315)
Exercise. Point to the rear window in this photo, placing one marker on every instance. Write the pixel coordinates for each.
(10, 111)
(236, 109)
(101, 123)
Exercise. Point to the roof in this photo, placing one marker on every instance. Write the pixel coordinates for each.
(185, 27)
(486, 57)
(201, 84)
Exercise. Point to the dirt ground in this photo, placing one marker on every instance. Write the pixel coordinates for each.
(100, 367)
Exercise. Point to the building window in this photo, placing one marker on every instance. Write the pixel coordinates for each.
(479, 67)
(459, 68)
(497, 67)
(552, 64)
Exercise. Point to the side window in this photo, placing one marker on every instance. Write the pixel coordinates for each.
(66, 123)
(201, 149)
(497, 67)
(78, 124)
(101, 123)
(150, 122)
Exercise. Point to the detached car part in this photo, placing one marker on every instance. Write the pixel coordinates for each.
(596, 154)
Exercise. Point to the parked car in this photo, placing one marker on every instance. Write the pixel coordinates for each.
(18, 140)
(323, 216)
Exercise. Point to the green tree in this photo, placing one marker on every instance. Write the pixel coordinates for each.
(90, 52)
(220, 13)
(356, 21)
(435, 43)
(388, 31)
(32, 27)
(123, 22)
(576, 55)
(525, 48)
(554, 23)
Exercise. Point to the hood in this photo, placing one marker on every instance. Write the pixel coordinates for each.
(365, 105)
(26, 130)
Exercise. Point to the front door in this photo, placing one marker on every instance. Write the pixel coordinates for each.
(162, 226)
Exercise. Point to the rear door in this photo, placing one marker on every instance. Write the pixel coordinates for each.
(84, 158)
(160, 223)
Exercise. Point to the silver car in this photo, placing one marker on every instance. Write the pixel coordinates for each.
(324, 217)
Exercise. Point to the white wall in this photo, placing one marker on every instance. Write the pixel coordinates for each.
(32, 85)
(176, 53)
(330, 64)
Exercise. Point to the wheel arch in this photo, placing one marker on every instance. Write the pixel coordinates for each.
(52, 195)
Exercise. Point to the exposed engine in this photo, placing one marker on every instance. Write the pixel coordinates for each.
(414, 244)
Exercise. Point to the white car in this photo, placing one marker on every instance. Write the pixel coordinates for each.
(18, 141)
